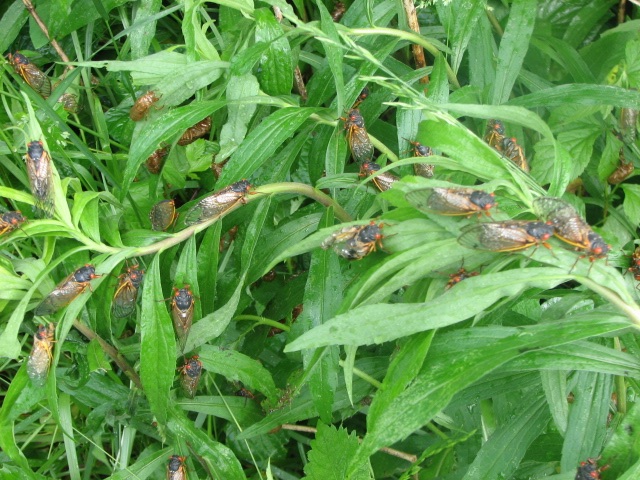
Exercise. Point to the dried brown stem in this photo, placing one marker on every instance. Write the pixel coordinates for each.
(418, 51)
(32, 11)
(621, 9)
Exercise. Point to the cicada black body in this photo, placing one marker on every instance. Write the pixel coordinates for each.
(218, 203)
(31, 74)
(452, 201)
(11, 221)
(190, 374)
(162, 215)
(514, 152)
(176, 469)
(425, 170)
(199, 130)
(357, 137)
(459, 276)
(182, 313)
(384, 181)
(141, 107)
(156, 159)
(40, 177)
(507, 236)
(67, 290)
(40, 358)
(355, 242)
(494, 135)
(589, 470)
(124, 300)
(361, 98)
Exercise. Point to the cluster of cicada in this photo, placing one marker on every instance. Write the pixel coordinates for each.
(508, 146)
(355, 242)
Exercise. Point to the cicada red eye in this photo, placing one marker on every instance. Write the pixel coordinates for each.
(217, 203)
(182, 313)
(589, 470)
(176, 469)
(383, 181)
(355, 242)
(199, 130)
(11, 221)
(507, 236)
(40, 177)
(31, 74)
(67, 290)
(141, 107)
(126, 295)
(357, 137)
(190, 374)
(162, 215)
(40, 358)
(452, 201)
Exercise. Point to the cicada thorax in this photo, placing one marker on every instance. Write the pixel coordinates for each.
(452, 201)
(10, 221)
(355, 242)
(190, 374)
(514, 152)
(31, 74)
(67, 290)
(126, 294)
(140, 108)
(39, 360)
(494, 134)
(182, 305)
(357, 137)
(218, 203)
(459, 276)
(589, 470)
(622, 171)
(163, 215)
(176, 468)
(40, 176)
(156, 159)
(195, 132)
(507, 236)
(383, 181)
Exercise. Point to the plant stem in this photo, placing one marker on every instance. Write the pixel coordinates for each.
(416, 49)
(364, 376)
(264, 321)
(32, 11)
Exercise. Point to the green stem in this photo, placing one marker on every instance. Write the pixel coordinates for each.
(364, 376)
(263, 321)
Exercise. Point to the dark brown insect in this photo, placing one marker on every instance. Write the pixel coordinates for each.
(514, 152)
(338, 11)
(635, 264)
(69, 102)
(628, 125)
(357, 137)
(199, 130)
(361, 98)
(11, 221)
(67, 290)
(190, 374)
(570, 227)
(425, 170)
(459, 276)
(140, 109)
(40, 177)
(182, 313)
(383, 181)
(243, 392)
(124, 300)
(176, 469)
(156, 159)
(507, 236)
(452, 201)
(31, 74)
(623, 171)
(40, 358)
(355, 242)
(163, 215)
(218, 203)
(228, 238)
(494, 135)
(589, 470)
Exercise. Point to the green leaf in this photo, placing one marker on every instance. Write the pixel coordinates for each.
(207, 269)
(554, 383)
(334, 53)
(157, 344)
(276, 65)
(253, 234)
(330, 454)
(621, 451)
(576, 94)
(187, 274)
(464, 21)
(12, 21)
(148, 463)
(239, 115)
(631, 202)
(142, 36)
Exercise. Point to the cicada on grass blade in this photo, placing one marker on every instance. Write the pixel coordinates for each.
(40, 177)
(355, 242)
(69, 102)
(199, 130)
(589, 470)
(156, 159)
(383, 181)
(452, 201)
(218, 203)
(190, 374)
(162, 215)
(40, 358)
(31, 74)
(176, 469)
(357, 137)
(459, 276)
(10, 221)
(67, 290)
(124, 300)
(507, 236)
(425, 170)
(495, 134)
(141, 107)
(514, 152)
(182, 313)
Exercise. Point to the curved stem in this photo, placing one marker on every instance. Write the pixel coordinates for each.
(264, 321)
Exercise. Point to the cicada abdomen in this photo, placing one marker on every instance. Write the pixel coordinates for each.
(190, 374)
(142, 105)
(163, 215)
(355, 242)
(383, 181)
(126, 295)
(40, 177)
(40, 358)
(514, 152)
(182, 313)
(199, 130)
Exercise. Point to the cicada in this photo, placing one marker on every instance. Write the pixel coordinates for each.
(124, 300)
(361, 98)
(507, 236)
(635, 264)
(570, 227)
(338, 11)
(422, 169)
(628, 124)
(622, 172)
(182, 313)
(155, 160)
(383, 181)
(357, 137)
(162, 215)
(69, 102)
(452, 201)
(190, 374)
(200, 129)
(218, 203)
(11, 221)
(67, 290)
(514, 152)
(355, 242)
(176, 469)
(495, 134)
(589, 470)
(140, 109)
(31, 74)
(460, 275)
(40, 177)
(40, 358)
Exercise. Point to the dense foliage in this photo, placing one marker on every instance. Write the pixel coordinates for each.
(245, 347)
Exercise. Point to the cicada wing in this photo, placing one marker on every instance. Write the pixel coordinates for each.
(182, 321)
(360, 144)
(496, 237)
(37, 79)
(124, 300)
(425, 170)
(212, 206)
(60, 297)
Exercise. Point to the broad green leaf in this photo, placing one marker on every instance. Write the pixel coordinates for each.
(438, 82)
(187, 274)
(482, 53)
(239, 115)
(580, 95)
(252, 236)
(145, 466)
(12, 21)
(239, 408)
(197, 43)
(142, 36)
(631, 202)
(554, 383)
(207, 267)
(461, 22)
(64, 405)
(157, 344)
(586, 19)
(621, 451)
(276, 65)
